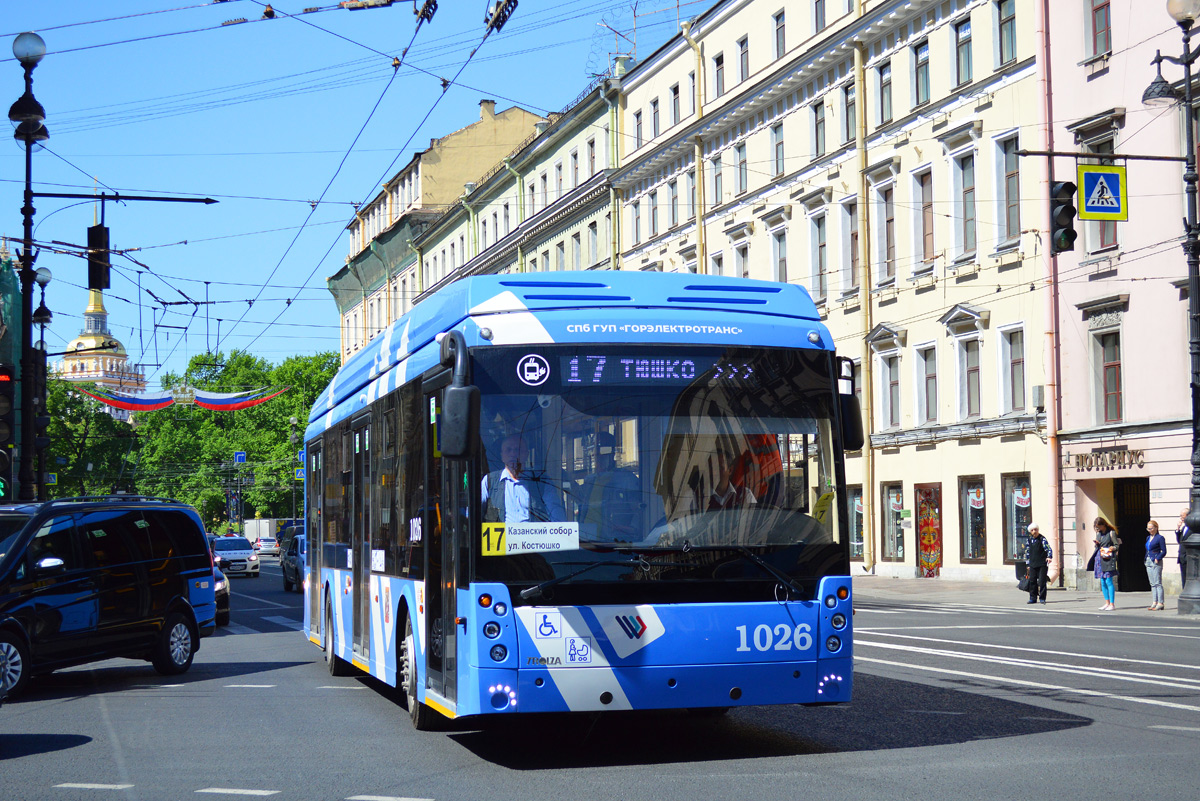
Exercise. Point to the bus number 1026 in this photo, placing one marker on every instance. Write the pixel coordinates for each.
(780, 638)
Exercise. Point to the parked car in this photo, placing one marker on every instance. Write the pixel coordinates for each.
(267, 545)
(292, 564)
(221, 588)
(239, 553)
(286, 535)
(86, 579)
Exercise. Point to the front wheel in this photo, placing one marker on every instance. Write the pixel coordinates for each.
(176, 646)
(14, 664)
(287, 584)
(423, 717)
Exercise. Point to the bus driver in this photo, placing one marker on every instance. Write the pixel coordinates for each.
(510, 497)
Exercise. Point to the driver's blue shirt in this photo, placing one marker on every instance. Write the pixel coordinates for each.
(518, 498)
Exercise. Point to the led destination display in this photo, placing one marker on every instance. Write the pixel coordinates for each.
(615, 369)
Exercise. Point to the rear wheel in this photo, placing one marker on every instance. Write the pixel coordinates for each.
(337, 666)
(287, 584)
(14, 664)
(176, 646)
(423, 717)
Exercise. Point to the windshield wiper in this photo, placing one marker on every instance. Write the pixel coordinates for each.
(783, 578)
(536, 590)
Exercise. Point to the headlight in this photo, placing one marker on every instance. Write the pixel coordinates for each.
(499, 653)
(839, 621)
(501, 609)
(253, 557)
(220, 585)
(491, 629)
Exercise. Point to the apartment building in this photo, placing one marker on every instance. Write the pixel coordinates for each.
(380, 278)
(875, 144)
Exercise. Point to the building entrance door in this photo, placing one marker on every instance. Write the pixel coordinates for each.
(929, 529)
(1132, 496)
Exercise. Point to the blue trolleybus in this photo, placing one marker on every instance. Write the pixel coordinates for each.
(585, 492)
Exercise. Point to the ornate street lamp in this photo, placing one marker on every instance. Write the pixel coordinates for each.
(1159, 92)
(28, 116)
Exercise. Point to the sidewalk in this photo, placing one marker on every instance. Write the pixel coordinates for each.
(989, 593)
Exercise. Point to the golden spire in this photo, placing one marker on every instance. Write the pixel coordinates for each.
(95, 303)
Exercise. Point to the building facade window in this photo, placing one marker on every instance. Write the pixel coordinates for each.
(718, 181)
(893, 531)
(692, 90)
(1006, 23)
(635, 213)
(718, 75)
(718, 264)
(889, 232)
(779, 256)
(1110, 376)
(574, 169)
(966, 202)
(691, 194)
(973, 519)
(576, 252)
(854, 502)
(890, 388)
(818, 15)
(852, 236)
(483, 241)
(885, 93)
(560, 262)
(654, 213)
(820, 281)
(780, 38)
(507, 223)
(545, 190)
(927, 394)
(558, 181)
(593, 244)
(741, 258)
(675, 104)
(655, 122)
(921, 73)
(1101, 235)
(819, 129)
(1018, 514)
(743, 168)
(962, 51)
(777, 148)
(673, 204)
(1013, 343)
(1100, 24)
(743, 58)
(925, 191)
(850, 116)
(637, 129)
(1010, 165)
(591, 157)
(969, 376)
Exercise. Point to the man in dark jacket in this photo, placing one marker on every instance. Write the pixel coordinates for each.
(1037, 559)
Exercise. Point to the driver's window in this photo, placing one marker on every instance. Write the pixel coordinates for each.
(56, 538)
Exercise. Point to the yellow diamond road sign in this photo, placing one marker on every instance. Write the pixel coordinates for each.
(1103, 193)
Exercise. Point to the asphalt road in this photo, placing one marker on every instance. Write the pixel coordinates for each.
(961, 691)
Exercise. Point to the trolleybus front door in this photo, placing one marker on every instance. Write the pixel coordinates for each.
(314, 507)
(445, 505)
(360, 537)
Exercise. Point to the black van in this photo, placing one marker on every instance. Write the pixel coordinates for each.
(85, 579)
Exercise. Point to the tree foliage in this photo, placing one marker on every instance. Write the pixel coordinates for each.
(187, 452)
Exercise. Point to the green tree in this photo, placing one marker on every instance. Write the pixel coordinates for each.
(89, 449)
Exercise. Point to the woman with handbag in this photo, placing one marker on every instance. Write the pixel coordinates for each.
(1156, 549)
(1107, 544)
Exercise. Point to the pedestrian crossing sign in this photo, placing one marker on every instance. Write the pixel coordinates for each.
(1103, 193)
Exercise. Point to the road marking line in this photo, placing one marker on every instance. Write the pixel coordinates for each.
(1039, 686)
(1159, 633)
(1119, 675)
(335, 687)
(933, 712)
(87, 786)
(1037, 650)
(250, 686)
(236, 791)
(1176, 728)
(234, 628)
(384, 798)
(286, 622)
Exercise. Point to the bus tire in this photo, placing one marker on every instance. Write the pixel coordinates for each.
(337, 666)
(423, 718)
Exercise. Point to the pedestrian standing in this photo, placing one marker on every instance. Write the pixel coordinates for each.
(1037, 558)
(1181, 531)
(1156, 549)
(1107, 545)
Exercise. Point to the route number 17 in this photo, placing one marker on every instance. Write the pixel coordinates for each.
(779, 638)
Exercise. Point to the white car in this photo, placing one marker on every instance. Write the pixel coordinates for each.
(239, 553)
(267, 545)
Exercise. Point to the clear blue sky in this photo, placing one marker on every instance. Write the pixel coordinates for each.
(147, 97)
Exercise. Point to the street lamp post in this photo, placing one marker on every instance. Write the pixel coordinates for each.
(1185, 13)
(292, 439)
(41, 318)
(28, 115)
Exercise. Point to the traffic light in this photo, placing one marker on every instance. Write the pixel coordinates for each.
(8, 431)
(98, 265)
(1062, 217)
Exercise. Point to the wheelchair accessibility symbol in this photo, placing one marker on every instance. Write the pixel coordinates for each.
(549, 626)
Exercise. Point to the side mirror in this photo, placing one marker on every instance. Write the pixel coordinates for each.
(50, 564)
(459, 429)
(853, 438)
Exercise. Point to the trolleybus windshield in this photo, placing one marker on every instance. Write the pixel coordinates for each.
(660, 465)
